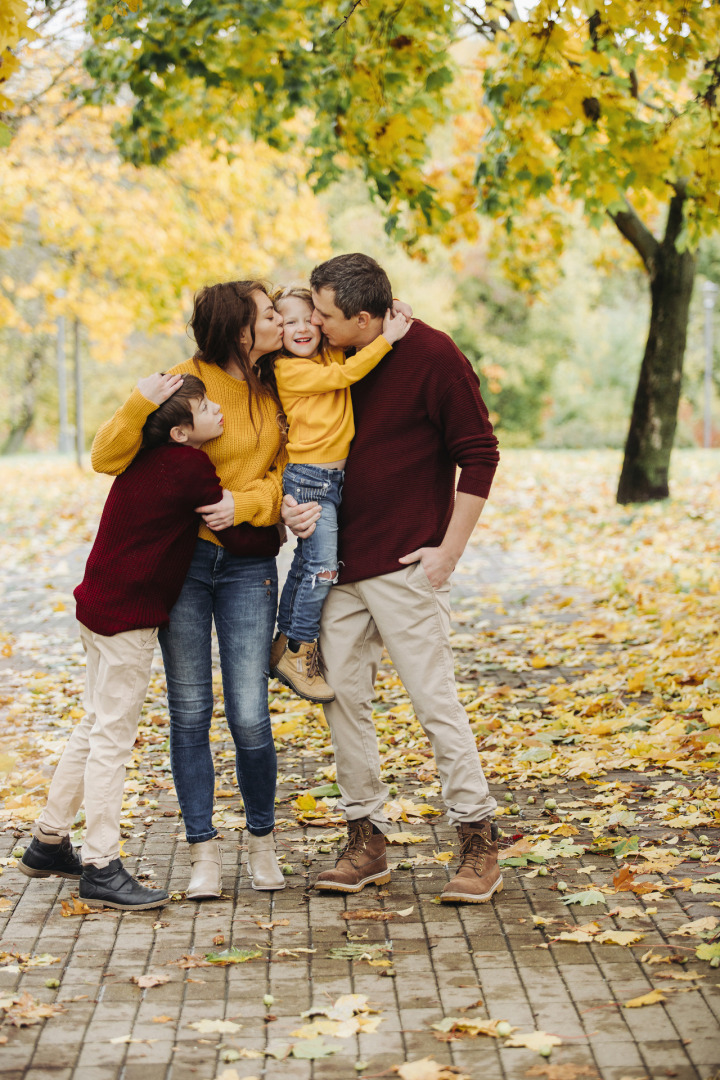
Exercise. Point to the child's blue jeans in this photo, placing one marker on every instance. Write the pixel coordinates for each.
(304, 592)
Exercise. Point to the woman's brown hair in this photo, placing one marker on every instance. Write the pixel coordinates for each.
(220, 314)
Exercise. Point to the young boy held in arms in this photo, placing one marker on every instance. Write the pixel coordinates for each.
(134, 574)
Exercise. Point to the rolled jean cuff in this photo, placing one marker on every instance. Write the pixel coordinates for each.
(261, 832)
(200, 838)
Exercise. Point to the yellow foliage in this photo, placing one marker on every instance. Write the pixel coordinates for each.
(128, 247)
(564, 120)
(13, 29)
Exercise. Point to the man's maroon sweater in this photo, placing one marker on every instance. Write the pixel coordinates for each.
(146, 539)
(418, 415)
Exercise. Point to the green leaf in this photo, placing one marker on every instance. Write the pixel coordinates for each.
(5, 135)
(708, 952)
(331, 790)
(439, 78)
(311, 1049)
(586, 899)
(625, 846)
(535, 753)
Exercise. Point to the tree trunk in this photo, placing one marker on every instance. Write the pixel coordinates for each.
(26, 413)
(646, 465)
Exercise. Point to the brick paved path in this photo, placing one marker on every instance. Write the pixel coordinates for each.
(445, 959)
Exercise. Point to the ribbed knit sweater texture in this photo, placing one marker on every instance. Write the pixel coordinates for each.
(249, 462)
(418, 417)
(145, 541)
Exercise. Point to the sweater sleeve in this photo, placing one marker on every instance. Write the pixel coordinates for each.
(119, 439)
(259, 501)
(298, 376)
(202, 484)
(463, 417)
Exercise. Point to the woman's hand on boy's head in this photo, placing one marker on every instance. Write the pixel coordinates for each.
(395, 325)
(402, 307)
(300, 518)
(159, 387)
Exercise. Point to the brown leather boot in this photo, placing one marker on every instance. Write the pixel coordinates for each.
(276, 650)
(361, 861)
(478, 876)
(301, 672)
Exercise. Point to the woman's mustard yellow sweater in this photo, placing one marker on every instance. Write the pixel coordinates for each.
(249, 463)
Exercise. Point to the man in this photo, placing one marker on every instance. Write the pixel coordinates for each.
(403, 528)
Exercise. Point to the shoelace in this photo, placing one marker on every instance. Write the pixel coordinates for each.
(473, 850)
(355, 844)
(313, 661)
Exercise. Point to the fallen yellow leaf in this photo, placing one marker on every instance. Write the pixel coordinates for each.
(647, 999)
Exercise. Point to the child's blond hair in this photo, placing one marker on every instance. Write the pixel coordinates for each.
(300, 292)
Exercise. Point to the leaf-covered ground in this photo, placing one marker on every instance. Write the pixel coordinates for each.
(588, 660)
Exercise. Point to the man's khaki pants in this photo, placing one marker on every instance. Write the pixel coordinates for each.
(403, 611)
(92, 767)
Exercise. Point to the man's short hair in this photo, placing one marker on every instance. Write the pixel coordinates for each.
(359, 283)
(176, 410)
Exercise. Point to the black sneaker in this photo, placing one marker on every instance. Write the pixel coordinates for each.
(112, 886)
(51, 860)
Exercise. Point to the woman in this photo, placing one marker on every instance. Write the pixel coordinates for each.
(238, 332)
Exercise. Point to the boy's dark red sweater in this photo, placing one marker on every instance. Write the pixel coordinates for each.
(147, 535)
(418, 416)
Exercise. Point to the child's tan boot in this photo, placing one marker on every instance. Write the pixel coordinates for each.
(300, 670)
(277, 648)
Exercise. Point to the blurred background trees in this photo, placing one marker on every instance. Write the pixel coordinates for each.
(496, 161)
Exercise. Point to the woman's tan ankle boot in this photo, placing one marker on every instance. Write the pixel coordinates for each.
(262, 863)
(206, 875)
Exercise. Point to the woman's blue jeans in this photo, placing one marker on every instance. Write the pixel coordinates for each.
(241, 596)
(304, 592)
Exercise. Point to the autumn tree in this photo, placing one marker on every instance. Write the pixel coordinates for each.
(609, 104)
(615, 105)
(121, 249)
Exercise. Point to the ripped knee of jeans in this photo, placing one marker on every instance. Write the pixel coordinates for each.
(330, 576)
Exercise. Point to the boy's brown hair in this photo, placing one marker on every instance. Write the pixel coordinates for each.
(173, 412)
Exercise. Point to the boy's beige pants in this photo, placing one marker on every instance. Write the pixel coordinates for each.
(403, 611)
(92, 767)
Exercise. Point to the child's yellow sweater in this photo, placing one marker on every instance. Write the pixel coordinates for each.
(315, 394)
(249, 463)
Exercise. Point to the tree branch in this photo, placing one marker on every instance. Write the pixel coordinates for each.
(339, 26)
(489, 28)
(639, 236)
(675, 214)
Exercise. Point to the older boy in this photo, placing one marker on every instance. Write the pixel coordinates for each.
(403, 527)
(133, 577)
